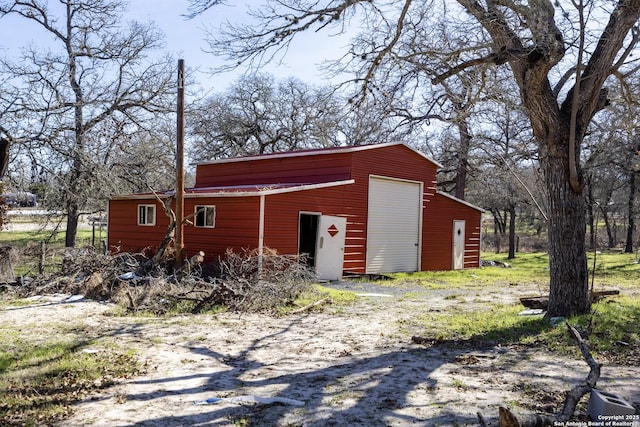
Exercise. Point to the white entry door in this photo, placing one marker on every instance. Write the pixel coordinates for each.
(330, 247)
(458, 245)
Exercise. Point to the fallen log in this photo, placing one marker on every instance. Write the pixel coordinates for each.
(509, 418)
(543, 301)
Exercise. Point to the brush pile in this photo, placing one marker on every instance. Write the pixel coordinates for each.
(246, 281)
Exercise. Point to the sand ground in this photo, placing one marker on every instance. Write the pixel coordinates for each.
(343, 366)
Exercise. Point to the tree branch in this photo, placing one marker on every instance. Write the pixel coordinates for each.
(574, 180)
(603, 59)
(387, 49)
(510, 419)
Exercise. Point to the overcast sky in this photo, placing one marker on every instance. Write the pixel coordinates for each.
(185, 39)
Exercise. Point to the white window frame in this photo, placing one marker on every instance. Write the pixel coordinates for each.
(143, 215)
(206, 209)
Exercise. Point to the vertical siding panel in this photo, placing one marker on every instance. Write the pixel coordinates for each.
(298, 170)
(282, 216)
(402, 163)
(236, 226)
(125, 235)
(438, 236)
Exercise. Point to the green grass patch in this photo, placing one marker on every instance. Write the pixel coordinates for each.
(497, 324)
(525, 269)
(26, 238)
(611, 329)
(613, 269)
(338, 297)
(28, 249)
(614, 325)
(40, 381)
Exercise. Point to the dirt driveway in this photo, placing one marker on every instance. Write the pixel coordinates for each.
(346, 366)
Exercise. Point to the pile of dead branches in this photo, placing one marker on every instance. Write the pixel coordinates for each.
(246, 281)
(259, 283)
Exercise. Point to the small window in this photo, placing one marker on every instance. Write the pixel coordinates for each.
(146, 214)
(205, 216)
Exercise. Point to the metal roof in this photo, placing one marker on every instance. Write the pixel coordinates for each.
(317, 152)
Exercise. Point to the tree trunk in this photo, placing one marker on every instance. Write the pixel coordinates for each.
(591, 214)
(569, 290)
(512, 231)
(77, 171)
(628, 247)
(607, 226)
(5, 144)
(463, 159)
(499, 225)
(73, 214)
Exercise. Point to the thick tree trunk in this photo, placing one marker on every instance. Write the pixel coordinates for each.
(512, 231)
(569, 290)
(5, 144)
(628, 247)
(73, 214)
(463, 159)
(591, 214)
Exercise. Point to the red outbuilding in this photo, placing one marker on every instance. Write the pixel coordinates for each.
(364, 210)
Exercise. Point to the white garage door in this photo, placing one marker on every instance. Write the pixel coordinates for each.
(393, 228)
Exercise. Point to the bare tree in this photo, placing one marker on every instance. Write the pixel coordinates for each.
(453, 105)
(543, 53)
(506, 162)
(5, 144)
(258, 115)
(6, 139)
(611, 167)
(94, 71)
(626, 111)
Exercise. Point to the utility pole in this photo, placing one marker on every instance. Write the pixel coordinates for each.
(179, 242)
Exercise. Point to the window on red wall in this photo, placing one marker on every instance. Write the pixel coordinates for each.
(205, 216)
(146, 214)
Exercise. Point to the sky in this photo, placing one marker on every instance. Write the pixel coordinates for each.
(185, 40)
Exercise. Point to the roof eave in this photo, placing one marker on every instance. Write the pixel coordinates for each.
(253, 193)
(442, 193)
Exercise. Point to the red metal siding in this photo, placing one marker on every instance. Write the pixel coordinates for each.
(311, 169)
(437, 235)
(350, 201)
(237, 218)
(125, 235)
(282, 216)
(236, 226)
(395, 162)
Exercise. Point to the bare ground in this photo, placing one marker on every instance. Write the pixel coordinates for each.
(350, 366)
